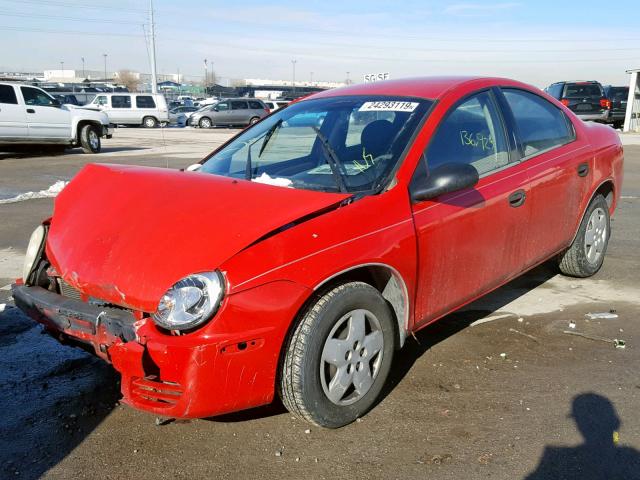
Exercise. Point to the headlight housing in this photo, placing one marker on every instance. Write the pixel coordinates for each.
(34, 251)
(190, 302)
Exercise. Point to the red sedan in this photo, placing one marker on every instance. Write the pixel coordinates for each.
(299, 256)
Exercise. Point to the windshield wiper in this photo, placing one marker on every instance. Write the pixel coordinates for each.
(268, 135)
(332, 159)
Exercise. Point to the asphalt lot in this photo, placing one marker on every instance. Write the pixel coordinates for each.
(514, 397)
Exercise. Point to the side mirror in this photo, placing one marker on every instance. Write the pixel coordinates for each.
(56, 103)
(215, 109)
(194, 167)
(447, 178)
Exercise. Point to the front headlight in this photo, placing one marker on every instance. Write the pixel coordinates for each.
(190, 302)
(34, 250)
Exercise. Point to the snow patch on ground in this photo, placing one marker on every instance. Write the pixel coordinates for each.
(556, 294)
(50, 192)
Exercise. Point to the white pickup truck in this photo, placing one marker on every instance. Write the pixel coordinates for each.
(29, 116)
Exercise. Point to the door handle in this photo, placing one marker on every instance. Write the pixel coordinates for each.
(583, 169)
(517, 198)
(30, 110)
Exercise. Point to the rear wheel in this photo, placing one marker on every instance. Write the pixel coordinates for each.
(254, 120)
(90, 139)
(149, 122)
(205, 122)
(585, 256)
(338, 357)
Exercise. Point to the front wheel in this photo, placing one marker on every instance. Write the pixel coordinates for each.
(338, 357)
(90, 139)
(205, 122)
(585, 256)
(149, 122)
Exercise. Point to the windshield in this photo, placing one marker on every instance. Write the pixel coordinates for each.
(347, 144)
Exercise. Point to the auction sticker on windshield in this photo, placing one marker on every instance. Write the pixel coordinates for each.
(388, 106)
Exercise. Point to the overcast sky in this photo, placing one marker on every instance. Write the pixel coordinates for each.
(534, 41)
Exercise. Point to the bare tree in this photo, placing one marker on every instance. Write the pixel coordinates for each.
(129, 80)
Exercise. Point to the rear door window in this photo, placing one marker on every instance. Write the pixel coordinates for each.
(8, 95)
(145, 101)
(121, 101)
(541, 125)
(471, 133)
(239, 105)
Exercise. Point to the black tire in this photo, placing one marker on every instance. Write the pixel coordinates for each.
(149, 122)
(205, 122)
(90, 139)
(580, 260)
(303, 375)
(254, 120)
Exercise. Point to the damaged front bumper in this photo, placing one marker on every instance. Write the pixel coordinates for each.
(93, 325)
(202, 374)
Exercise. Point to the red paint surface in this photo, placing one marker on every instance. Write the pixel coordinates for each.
(125, 234)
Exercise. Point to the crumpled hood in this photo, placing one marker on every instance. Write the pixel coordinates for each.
(125, 234)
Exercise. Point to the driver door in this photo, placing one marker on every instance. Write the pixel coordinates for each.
(45, 118)
(472, 240)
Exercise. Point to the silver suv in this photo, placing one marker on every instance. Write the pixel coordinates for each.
(230, 111)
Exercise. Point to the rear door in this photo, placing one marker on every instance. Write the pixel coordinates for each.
(13, 120)
(239, 114)
(559, 166)
(45, 119)
(473, 240)
(121, 110)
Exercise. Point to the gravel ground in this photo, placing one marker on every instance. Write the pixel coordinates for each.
(514, 397)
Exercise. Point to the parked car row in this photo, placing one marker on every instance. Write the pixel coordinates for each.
(589, 100)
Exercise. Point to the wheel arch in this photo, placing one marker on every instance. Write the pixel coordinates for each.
(81, 124)
(384, 278)
(606, 188)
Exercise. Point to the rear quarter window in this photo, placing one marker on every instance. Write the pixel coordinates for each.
(256, 105)
(8, 95)
(145, 101)
(541, 125)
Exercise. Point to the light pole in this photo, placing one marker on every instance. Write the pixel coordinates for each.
(293, 83)
(311, 77)
(105, 66)
(206, 76)
(62, 69)
(348, 81)
(82, 58)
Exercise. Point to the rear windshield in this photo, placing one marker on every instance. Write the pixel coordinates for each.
(346, 144)
(618, 93)
(583, 90)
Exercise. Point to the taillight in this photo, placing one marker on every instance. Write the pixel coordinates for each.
(605, 103)
(565, 102)
(267, 110)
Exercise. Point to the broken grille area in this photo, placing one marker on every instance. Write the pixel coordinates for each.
(68, 291)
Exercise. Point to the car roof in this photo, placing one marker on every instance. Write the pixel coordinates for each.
(420, 87)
